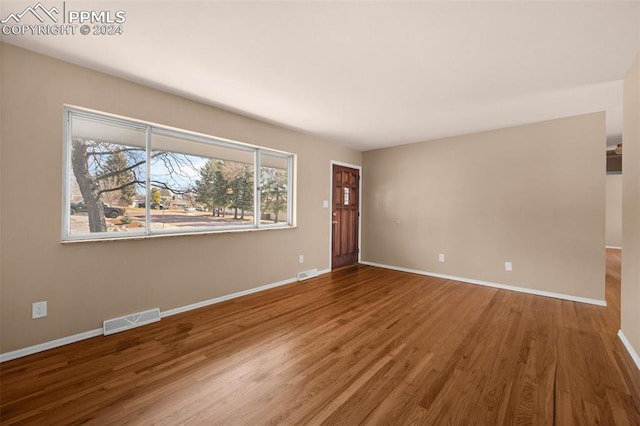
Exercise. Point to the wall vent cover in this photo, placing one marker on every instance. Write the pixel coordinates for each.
(130, 321)
(305, 275)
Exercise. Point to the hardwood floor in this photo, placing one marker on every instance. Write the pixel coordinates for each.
(358, 346)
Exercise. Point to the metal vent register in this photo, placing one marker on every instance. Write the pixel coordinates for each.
(130, 321)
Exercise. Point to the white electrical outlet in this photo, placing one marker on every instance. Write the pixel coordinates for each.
(508, 266)
(301, 258)
(325, 204)
(39, 310)
(441, 257)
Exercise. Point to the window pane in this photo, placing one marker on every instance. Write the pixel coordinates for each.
(106, 177)
(196, 185)
(125, 178)
(274, 188)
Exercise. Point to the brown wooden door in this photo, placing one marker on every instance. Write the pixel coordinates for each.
(345, 216)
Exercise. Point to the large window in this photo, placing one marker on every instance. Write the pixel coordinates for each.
(126, 178)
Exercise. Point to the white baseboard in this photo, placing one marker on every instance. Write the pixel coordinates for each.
(495, 285)
(8, 356)
(224, 298)
(627, 345)
(613, 247)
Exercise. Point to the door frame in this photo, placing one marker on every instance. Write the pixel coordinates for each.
(330, 208)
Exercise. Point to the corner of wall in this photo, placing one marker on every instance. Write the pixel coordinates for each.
(630, 293)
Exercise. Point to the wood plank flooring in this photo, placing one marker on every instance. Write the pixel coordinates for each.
(361, 345)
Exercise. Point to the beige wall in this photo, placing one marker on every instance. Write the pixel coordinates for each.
(532, 195)
(85, 283)
(614, 211)
(631, 207)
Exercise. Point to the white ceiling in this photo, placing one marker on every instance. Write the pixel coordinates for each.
(370, 74)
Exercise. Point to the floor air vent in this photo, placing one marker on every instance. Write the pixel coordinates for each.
(305, 275)
(130, 321)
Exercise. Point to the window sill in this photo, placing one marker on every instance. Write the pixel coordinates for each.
(173, 235)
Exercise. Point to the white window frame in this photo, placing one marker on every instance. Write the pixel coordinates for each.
(150, 129)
